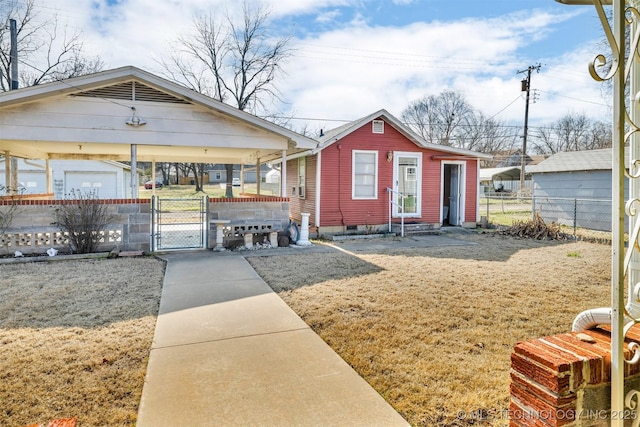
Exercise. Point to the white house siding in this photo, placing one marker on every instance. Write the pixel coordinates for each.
(103, 184)
(109, 180)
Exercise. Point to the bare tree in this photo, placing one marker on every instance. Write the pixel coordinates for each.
(233, 63)
(46, 51)
(439, 119)
(573, 132)
(487, 135)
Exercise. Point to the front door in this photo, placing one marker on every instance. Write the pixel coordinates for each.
(407, 176)
(453, 193)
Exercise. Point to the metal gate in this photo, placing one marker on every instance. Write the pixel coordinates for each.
(178, 223)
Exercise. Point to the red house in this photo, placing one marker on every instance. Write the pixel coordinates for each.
(368, 173)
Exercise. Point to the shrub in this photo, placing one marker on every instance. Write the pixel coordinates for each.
(85, 220)
(8, 211)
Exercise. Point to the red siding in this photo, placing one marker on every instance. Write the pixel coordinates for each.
(337, 208)
(471, 199)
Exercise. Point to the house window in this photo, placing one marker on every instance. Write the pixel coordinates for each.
(218, 176)
(378, 126)
(365, 174)
(302, 176)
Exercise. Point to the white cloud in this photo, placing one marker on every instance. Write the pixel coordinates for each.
(350, 71)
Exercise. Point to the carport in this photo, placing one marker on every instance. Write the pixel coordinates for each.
(128, 114)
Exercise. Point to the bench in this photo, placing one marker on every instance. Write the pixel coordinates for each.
(247, 231)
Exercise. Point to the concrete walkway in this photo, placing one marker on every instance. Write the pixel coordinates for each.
(227, 351)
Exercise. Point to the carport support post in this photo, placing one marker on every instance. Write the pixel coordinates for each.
(283, 175)
(47, 168)
(134, 171)
(153, 177)
(258, 178)
(7, 171)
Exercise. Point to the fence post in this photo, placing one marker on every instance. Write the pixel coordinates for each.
(575, 216)
(533, 207)
(488, 196)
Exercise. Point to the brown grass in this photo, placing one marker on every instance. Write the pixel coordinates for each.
(75, 339)
(432, 329)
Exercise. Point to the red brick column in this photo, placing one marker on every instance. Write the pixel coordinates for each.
(564, 380)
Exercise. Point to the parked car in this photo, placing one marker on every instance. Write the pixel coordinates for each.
(149, 184)
(235, 182)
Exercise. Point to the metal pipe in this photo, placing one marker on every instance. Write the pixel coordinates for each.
(589, 319)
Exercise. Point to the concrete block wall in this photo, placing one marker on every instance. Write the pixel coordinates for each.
(247, 211)
(32, 230)
(565, 380)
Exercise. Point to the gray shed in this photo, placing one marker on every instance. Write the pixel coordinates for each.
(574, 188)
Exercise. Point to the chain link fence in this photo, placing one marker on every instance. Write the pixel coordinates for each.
(578, 217)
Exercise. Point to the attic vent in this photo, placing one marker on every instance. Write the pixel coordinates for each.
(132, 91)
(378, 126)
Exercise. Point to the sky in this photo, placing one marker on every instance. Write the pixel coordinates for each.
(354, 57)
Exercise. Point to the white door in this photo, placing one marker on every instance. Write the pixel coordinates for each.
(407, 178)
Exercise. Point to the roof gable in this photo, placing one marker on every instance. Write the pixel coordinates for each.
(181, 124)
(332, 136)
(132, 91)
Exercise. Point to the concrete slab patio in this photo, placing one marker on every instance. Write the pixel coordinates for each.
(227, 351)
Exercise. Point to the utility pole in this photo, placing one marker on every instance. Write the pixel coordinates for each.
(11, 163)
(526, 87)
(13, 54)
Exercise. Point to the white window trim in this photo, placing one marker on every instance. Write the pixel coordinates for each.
(353, 174)
(419, 178)
(379, 123)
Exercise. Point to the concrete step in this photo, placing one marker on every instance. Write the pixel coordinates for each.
(413, 229)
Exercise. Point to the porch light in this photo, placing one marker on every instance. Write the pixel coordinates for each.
(135, 120)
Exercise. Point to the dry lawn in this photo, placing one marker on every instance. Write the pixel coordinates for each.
(432, 329)
(75, 338)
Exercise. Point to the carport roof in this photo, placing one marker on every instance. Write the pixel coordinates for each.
(496, 174)
(85, 118)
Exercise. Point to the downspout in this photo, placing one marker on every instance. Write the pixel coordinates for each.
(318, 189)
(591, 318)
